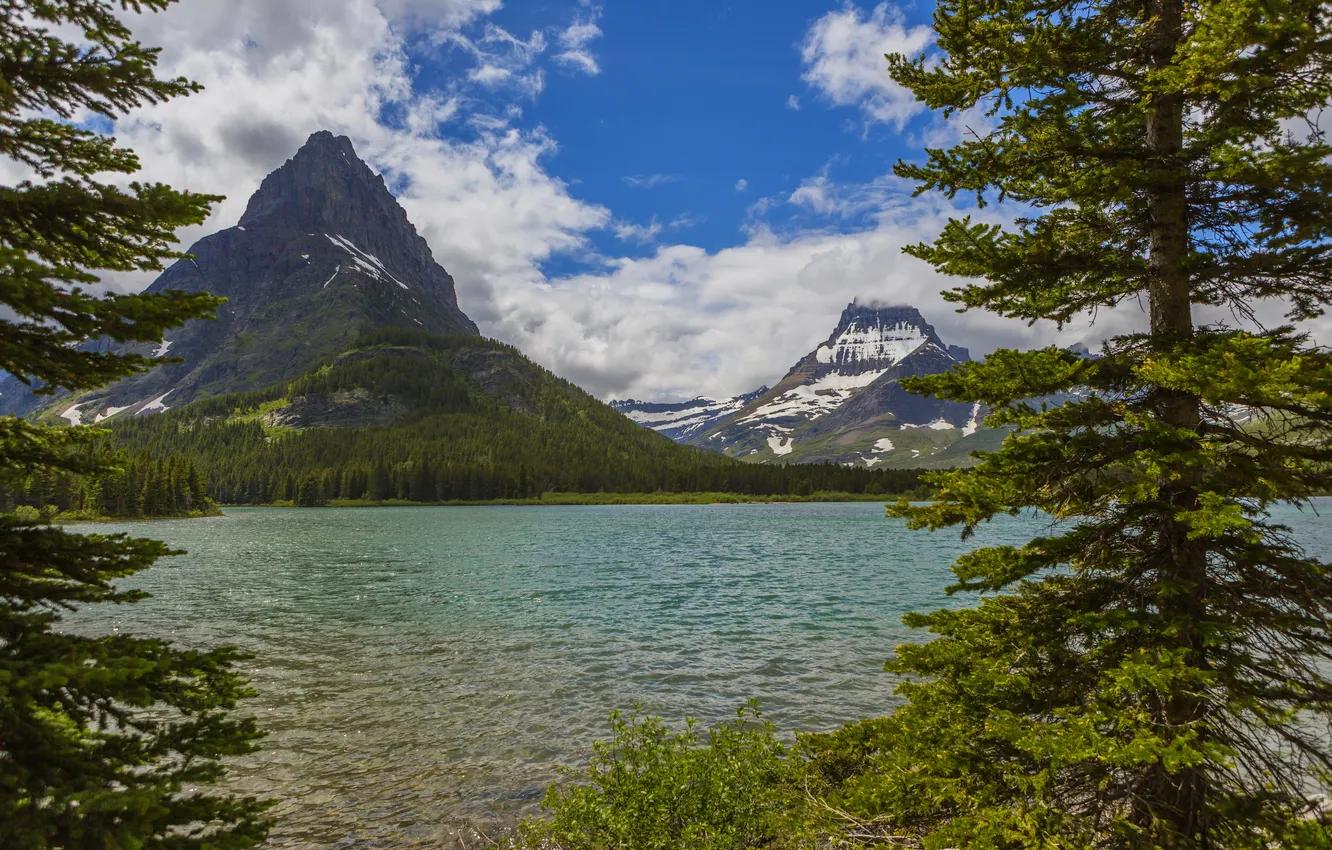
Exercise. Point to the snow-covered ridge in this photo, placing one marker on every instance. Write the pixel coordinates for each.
(861, 343)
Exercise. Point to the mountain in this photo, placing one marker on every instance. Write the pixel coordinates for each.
(682, 420)
(322, 252)
(844, 401)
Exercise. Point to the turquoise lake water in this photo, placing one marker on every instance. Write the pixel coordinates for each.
(423, 671)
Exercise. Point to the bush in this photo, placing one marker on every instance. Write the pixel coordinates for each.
(27, 514)
(650, 789)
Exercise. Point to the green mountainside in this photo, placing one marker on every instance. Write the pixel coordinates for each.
(405, 414)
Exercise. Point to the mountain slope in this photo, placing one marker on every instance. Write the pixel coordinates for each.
(406, 414)
(323, 251)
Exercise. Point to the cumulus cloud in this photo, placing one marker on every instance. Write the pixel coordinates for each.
(448, 13)
(742, 185)
(844, 53)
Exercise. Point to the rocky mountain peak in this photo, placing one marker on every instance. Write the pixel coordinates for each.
(323, 253)
(873, 335)
(326, 192)
(324, 187)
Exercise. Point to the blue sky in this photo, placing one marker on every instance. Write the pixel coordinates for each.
(577, 166)
(691, 98)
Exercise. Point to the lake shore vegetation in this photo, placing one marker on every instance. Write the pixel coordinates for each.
(112, 740)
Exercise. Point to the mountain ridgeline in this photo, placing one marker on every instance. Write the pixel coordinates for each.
(341, 367)
(843, 403)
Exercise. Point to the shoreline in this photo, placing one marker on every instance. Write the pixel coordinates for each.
(603, 499)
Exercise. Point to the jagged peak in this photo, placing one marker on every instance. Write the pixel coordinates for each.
(324, 187)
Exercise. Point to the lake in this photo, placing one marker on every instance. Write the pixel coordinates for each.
(423, 671)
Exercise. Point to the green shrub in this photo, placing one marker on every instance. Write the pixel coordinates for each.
(27, 514)
(649, 788)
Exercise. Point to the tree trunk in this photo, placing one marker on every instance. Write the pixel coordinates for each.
(1174, 807)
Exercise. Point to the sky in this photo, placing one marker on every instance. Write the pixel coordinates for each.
(653, 199)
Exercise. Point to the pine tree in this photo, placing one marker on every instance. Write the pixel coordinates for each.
(1153, 672)
(100, 737)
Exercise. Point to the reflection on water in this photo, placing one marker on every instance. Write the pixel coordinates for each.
(424, 670)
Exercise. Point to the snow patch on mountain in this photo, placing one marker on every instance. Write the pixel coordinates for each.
(861, 343)
(682, 420)
(816, 399)
(974, 425)
(936, 425)
(163, 349)
(365, 262)
(111, 411)
(73, 415)
(155, 405)
(781, 445)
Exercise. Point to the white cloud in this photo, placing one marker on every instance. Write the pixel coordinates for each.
(882, 198)
(574, 41)
(844, 60)
(646, 233)
(685, 321)
(502, 59)
(580, 59)
(648, 181)
(449, 13)
(742, 185)
(793, 102)
(641, 233)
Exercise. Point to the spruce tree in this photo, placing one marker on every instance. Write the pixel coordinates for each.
(1153, 672)
(109, 741)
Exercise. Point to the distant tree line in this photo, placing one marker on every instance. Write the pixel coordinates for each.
(460, 457)
(128, 486)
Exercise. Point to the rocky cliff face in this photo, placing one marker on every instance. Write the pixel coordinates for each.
(322, 252)
(844, 401)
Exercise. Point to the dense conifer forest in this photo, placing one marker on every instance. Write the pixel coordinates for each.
(127, 486)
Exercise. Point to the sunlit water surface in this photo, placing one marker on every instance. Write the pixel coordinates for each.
(422, 671)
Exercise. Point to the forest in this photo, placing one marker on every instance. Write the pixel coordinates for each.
(127, 486)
